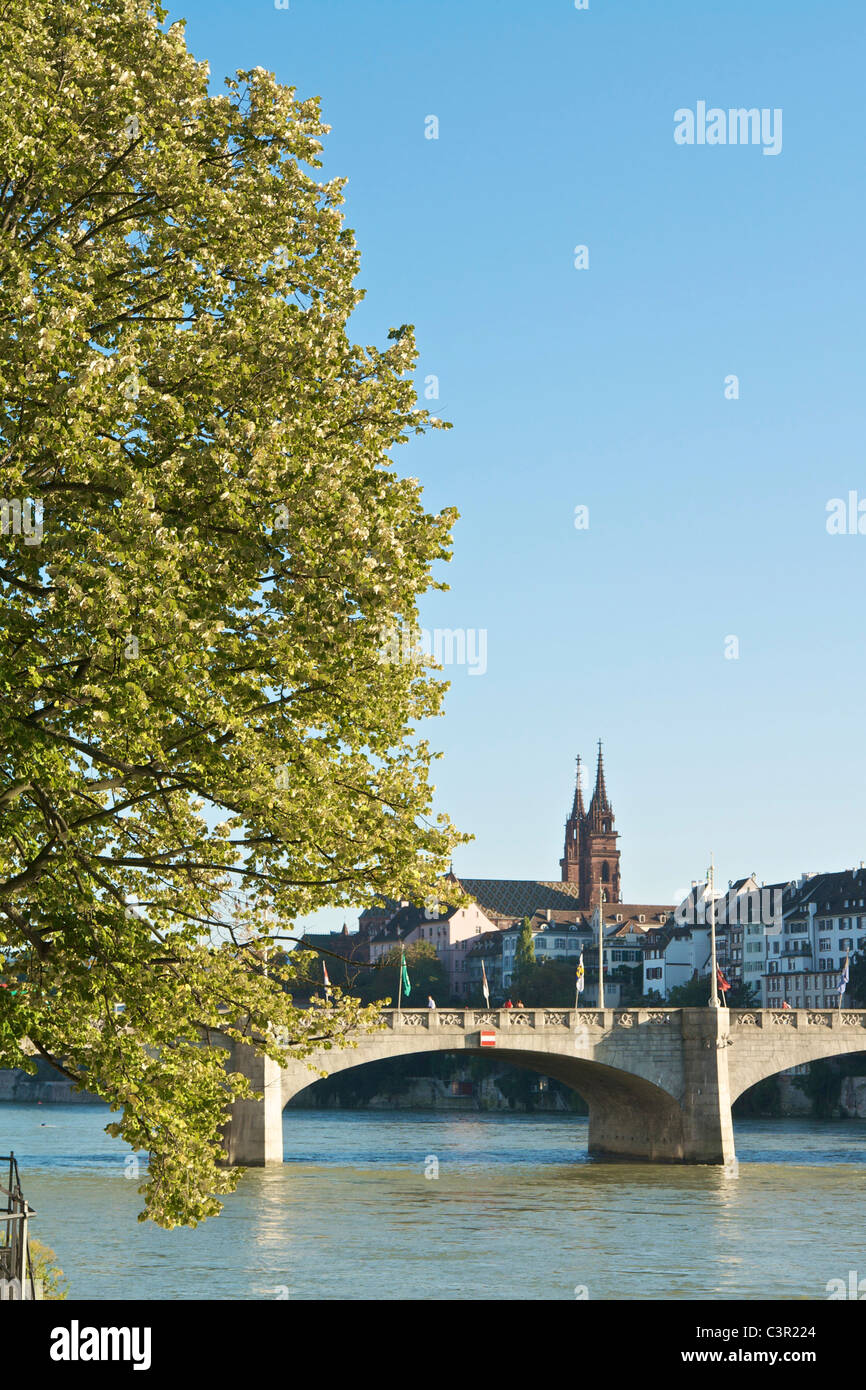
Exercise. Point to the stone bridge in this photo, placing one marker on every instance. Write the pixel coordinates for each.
(659, 1082)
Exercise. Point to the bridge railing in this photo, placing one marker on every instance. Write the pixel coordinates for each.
(473, 1020)
(502, 1020)
(798, 1018)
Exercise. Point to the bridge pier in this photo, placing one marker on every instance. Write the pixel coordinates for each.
(253, 1134)
(629, 1118)
(708, 1127)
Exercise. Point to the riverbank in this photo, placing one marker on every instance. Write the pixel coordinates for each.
(46, 1086)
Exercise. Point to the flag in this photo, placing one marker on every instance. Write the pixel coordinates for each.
(843, 978)
(407, 988)
(326, 981)
(723, 983)
(578, 975)
(485, 988)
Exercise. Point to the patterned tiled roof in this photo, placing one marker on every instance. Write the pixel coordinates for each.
(521, 897)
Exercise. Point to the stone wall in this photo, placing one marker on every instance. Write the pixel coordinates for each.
(852, 1097)
(46, 1087)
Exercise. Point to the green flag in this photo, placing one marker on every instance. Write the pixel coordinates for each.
(407, 988)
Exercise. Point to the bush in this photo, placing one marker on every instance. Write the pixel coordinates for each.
(47, 1272)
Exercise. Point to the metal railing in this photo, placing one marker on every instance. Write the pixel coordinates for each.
(16, 1269)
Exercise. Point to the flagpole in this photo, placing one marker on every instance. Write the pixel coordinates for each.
(601, 951)
(400, 980)
(714, 993)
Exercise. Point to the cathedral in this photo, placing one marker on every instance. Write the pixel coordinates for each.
(566, 914)
(591, 857)
(589, 878)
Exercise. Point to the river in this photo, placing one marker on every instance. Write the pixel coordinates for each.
(517, 1211)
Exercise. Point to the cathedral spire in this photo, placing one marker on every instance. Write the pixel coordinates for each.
(577, 811)
(599, 871)
(600, 803)
(574, 829)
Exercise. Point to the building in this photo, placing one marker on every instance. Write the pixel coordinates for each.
(674, 957)
(486, 950)
(450, 930)
(823, 922)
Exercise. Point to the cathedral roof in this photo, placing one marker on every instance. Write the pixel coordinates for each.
(522, 897)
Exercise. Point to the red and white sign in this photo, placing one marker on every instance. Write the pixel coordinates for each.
(488, 1039)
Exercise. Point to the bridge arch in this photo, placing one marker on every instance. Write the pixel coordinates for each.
(628, 1102)
(750, 1064)
(634, 1093)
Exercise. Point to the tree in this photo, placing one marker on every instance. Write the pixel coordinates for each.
(205, 553)
(743, 996)
(857, 985)
(548, 983)
(694, 994)
(524, 959)
(427, 976)
(47, 1274)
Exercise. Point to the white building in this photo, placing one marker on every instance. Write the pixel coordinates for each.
(824, 922)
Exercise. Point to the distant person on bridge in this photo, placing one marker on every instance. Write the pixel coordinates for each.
(431, 1002)
(508, 1004)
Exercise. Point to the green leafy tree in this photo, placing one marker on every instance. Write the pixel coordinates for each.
(206, 727)
(47, 1273)
(693, 994)
(549, 983)
(427, 976)
(743, 996)
(857, 981)
(524, 966)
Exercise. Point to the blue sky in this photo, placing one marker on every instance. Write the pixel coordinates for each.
(605, 387)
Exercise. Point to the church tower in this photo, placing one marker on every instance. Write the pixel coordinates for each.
(599, 857)
(574, 830)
